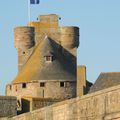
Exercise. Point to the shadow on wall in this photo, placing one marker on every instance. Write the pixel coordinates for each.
(66, 59)
(25, 105)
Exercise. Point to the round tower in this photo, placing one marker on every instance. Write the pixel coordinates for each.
(24, 37)
(24, 41)
(69, 37)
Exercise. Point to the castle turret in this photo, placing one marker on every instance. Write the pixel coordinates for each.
(24, 37)
(70, 39)
(24, 41)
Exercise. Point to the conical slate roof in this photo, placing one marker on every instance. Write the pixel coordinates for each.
(38, 69)
(106, 80)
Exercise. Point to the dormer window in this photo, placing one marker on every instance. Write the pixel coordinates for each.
(48, 58)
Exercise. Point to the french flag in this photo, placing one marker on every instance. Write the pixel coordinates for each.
(34, 1)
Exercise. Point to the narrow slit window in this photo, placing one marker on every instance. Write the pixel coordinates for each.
(10, 87)
(62, 84)
(16, 88)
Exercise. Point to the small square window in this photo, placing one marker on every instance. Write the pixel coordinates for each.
(42, 84)
(24, 85)
(48, 58)
(62, 84)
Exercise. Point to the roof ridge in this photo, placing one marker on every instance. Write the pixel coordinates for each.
(110, 72)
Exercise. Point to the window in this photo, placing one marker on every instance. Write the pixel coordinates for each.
(16, 88)
(10, 87)
(23, 52)
(42, 84)
(24, 85)
(62, 84)
(48, 58)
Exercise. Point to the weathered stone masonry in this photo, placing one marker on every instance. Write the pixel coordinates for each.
(102, 105)
(8, 106)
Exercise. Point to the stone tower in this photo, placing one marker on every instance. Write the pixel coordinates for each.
(47, 65)
(24, 43)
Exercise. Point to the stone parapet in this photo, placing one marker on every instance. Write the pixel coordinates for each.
(102, 105)
(8, 106)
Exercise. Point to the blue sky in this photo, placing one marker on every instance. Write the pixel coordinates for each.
(99, 22)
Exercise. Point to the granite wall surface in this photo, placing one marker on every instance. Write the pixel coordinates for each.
(8, 106)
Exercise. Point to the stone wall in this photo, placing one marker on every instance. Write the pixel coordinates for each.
(102, 105)
(8, 106)
(52, 89)
(37, 103)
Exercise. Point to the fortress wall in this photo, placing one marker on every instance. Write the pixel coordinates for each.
(102, 105)
(31, 103)
(8, 106)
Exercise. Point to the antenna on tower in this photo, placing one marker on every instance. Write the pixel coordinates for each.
(29, 12)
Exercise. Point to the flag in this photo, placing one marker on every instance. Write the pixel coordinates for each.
(34, 1)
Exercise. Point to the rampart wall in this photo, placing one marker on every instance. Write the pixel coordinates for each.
(8, 106)
(102, 105)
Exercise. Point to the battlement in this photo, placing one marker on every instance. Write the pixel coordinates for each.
(46, 21)
(51, 18)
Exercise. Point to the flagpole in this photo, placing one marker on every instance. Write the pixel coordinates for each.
(29, 12)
